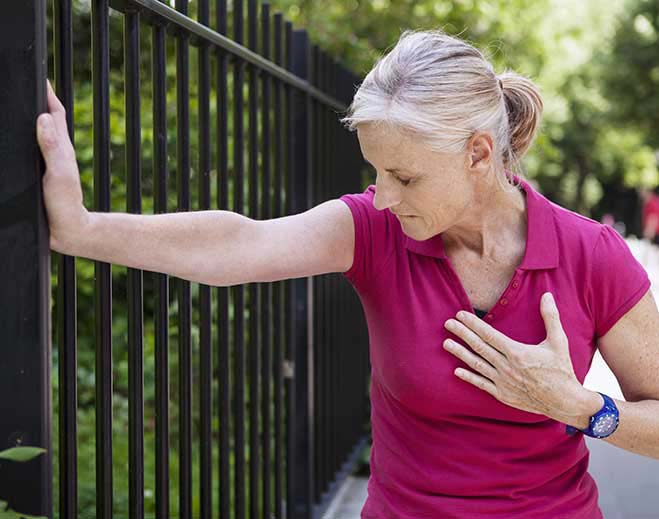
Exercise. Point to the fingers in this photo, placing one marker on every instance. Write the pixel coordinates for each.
(52, 132)
(485, 350)
(54, 104)
(478, 381)
(487, 333)
(551, 317)
(474, 361)
(57, 110)
(47, 138)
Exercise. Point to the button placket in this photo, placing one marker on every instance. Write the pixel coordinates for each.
(506, 296)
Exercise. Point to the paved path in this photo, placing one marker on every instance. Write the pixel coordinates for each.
(628, 483)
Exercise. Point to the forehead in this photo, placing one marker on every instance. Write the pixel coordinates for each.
(385, 141)
(374, 133)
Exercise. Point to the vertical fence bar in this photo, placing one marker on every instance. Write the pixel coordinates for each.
(205, 346)
(254, 288)
(316, 449)
(184, 296)
(324, 176)
(239, 293)
(66, 289)
(319, 290)
(331, 282)
(161, 325)
(266, 301)
(335, 386)
(344, 357)
(321, 295)
(25, 394)
(302, 291)
(224, 338)
(289, 407)
(316, 280)
(102, 271)
(135, 319)
(279, 287)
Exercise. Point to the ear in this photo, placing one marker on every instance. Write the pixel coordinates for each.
(479, 151)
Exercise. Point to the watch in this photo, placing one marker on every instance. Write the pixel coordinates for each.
(603, 423)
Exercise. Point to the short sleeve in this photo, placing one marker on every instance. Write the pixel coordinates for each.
(617, 280)
(374, 238)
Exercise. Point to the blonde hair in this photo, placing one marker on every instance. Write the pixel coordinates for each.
(441, 89)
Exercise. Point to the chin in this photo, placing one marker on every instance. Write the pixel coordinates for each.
(416, 235)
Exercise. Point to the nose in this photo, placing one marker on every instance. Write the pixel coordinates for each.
(385, 196)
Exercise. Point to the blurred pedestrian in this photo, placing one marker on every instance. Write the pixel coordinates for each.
(650, 216)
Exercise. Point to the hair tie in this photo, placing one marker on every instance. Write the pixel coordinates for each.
(501, 85)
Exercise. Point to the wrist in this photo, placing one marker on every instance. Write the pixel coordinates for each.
(69, 242)
(585, 404)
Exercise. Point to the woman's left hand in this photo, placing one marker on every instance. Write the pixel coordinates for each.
(534, 378)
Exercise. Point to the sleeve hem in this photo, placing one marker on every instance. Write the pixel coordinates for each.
(624, 308)
(350, 274)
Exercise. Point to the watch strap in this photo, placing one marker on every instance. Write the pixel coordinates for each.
(609, 407)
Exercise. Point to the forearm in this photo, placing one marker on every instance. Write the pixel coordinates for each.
(183, 244)
(638, 430)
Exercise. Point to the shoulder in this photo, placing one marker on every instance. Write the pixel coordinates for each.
(576, 233)
(361, 205)
(377, 236)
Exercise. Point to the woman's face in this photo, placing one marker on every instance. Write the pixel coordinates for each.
(428, 191)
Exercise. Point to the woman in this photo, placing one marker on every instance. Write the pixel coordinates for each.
(447, 231)
(650, 214)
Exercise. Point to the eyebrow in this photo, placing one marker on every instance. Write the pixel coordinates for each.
(392, 170)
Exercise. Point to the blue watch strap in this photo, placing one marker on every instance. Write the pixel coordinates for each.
(611, 416)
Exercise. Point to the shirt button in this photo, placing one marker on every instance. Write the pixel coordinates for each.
(515, 284)
(504, 301)
(489, 316)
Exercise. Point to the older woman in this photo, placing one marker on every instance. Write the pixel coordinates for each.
(473, 416)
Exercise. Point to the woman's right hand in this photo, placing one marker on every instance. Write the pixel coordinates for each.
(67, 216)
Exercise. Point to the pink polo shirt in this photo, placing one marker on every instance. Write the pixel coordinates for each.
(443, 448)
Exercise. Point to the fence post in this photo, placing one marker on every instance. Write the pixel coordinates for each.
(25, 390)
(300, 190)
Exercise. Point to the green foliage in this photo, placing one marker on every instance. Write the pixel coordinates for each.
(18, 454)
(631, 69)
(21, 453)
(598, 70)
(565, 46)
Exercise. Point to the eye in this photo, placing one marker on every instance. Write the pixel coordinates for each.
(373, 171)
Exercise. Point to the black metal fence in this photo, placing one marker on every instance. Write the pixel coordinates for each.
(279, 371)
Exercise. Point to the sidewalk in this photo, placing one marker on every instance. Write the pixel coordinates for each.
(628, 483)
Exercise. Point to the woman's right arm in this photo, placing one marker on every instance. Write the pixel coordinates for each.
(214, 247)
(222, 248)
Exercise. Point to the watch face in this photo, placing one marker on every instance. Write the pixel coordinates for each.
(605, 424)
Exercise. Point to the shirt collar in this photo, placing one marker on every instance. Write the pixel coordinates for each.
(541, 242)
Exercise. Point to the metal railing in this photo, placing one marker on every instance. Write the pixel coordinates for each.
(289, 360)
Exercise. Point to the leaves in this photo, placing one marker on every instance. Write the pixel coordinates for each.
(21, 453)
(18, 454)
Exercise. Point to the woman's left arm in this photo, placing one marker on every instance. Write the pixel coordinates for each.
(542, 380)
(631, 349)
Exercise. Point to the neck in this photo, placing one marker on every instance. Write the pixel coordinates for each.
(492, 223)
